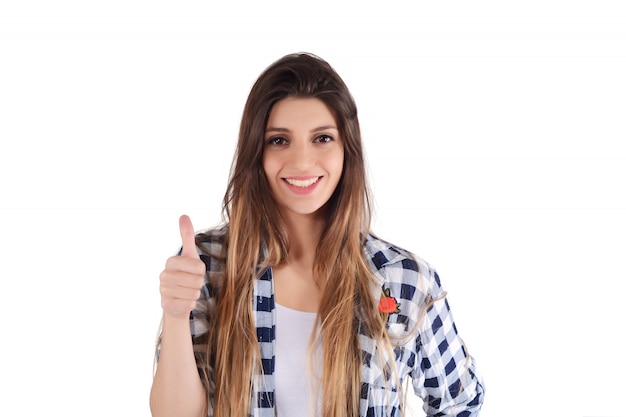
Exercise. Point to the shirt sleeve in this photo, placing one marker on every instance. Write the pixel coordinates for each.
(445, 376)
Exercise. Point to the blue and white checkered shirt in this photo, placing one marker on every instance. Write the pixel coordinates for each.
(434, 358)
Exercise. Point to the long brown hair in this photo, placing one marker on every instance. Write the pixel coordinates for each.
(256, 237)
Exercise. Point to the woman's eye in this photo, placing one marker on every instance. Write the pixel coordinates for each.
(324, 138)
(276, 141)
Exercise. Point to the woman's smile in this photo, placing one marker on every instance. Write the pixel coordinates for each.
(302, 185)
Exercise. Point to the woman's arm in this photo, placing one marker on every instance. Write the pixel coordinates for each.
(445, 377)
(177, 389)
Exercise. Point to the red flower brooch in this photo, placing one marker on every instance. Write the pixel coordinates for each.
(388, 304)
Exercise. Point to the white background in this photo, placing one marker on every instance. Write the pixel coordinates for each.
(495, 135)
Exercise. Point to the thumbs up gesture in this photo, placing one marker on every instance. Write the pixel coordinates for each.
(183, 276)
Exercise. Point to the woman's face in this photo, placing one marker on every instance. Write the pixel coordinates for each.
(303, 155)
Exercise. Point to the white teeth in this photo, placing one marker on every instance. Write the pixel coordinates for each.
(302, 183)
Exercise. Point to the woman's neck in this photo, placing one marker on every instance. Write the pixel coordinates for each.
(305, 232)
(294, 281)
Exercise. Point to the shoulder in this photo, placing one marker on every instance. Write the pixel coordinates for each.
(211, 239)
(394, 266)
(210, 243)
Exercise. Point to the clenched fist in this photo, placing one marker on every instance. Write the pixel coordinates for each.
(183, 276)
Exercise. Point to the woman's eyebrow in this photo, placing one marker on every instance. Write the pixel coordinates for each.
(285, 130)
(277, 129)
(317, 129)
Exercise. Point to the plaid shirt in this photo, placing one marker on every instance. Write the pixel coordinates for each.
(434, 358)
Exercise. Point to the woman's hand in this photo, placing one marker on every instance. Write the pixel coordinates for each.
(183, 276)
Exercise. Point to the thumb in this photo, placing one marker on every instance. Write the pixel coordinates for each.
(188, 236)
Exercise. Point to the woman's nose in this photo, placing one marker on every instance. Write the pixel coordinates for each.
(302, 156)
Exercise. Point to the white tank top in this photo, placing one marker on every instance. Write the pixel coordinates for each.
(294, 385)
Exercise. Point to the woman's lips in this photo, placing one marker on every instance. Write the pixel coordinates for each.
(302, 185)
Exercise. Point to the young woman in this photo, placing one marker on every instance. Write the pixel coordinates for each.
(293, 307)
